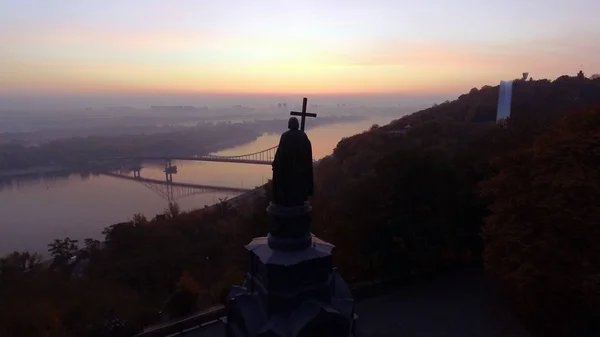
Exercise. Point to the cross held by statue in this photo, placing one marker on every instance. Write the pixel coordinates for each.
(303, 114)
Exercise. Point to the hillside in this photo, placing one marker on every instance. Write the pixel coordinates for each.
(417, 203)
(396, 207)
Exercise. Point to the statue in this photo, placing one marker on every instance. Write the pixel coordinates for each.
(293, 167)
(291, 288)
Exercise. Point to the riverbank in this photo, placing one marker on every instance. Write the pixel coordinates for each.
(86, 154)
(96, 164)
(33, 171)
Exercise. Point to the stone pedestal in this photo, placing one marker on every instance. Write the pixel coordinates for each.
(292, 288)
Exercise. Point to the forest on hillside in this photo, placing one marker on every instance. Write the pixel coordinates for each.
(516, 199)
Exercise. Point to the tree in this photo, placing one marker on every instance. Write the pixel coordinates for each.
(184, 299)
(91, 244)
(541, 237)
(139, 219)
(18, 263)
(173, 210)
(63, 251)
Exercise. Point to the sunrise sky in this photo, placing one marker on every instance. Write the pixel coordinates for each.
(282, 46)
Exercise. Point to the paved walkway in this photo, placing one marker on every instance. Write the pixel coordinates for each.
(459, 305)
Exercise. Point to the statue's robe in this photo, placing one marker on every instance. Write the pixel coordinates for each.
(293, 169)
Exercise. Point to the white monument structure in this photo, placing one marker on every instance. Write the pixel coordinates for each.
(504, 100)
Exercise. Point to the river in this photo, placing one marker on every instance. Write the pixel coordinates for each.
(34, 212)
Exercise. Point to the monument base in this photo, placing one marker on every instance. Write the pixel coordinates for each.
(289, 227)
(292, 288)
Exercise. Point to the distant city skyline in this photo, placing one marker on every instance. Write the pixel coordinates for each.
(60, 48)
(140, 101)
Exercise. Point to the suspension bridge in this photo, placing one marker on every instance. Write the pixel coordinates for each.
(172, 191)
(263, 157)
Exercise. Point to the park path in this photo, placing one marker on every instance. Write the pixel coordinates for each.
(456, 305)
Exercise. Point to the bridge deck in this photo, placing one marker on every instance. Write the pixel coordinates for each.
(218, 160)
(263, 157)
(161, 182)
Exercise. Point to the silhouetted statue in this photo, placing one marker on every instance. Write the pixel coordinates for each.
(293, 167)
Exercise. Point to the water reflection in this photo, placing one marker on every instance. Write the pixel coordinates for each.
(33, 180)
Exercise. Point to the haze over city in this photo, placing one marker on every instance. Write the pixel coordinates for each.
(65, 53)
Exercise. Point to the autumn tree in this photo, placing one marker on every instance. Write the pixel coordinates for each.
(184, 299)
(542, 235)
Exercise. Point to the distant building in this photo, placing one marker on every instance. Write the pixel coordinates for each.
(116, 108)
(173, 107)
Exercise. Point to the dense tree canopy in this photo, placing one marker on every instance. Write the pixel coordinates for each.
(542, 235)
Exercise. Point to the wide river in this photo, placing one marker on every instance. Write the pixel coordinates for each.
(34, 212)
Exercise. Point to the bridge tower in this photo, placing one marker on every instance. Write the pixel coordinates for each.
(136, 168)
(170, 169)
(170, 194)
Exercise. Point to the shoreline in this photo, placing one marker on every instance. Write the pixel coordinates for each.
(218, 146)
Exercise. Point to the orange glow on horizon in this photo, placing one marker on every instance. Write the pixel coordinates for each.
(284, 47)
(266, 67)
